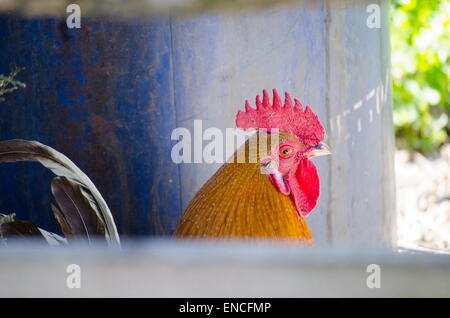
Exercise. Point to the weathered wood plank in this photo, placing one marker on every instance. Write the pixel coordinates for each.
(358, 113)
(222, 59)
(389, 215)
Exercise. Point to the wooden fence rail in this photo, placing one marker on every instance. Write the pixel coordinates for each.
(175, 269)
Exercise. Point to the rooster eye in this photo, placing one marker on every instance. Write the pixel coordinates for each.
(286, 151)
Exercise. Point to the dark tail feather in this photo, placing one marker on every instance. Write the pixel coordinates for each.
(11, 228)
(75, 186)
(76, 212)
(65, 227)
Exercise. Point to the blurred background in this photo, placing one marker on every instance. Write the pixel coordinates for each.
(420, 41)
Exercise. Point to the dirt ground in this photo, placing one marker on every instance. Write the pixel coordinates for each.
(423, 200)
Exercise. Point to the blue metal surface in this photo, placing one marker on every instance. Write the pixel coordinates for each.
(102, 96)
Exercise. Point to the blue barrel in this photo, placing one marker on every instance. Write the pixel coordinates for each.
(103, 96)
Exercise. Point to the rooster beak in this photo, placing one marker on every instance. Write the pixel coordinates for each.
(321, 149)
(267, 167)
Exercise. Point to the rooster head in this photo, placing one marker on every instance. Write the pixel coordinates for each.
(300, 137)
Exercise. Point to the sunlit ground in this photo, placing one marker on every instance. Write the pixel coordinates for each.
(423, 199)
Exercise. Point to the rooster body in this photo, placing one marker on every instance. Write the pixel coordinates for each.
(239, 201)
(272, 191)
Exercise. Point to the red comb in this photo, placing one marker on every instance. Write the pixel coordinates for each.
(287, 118)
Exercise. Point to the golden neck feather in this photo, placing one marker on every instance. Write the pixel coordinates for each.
(239, 201)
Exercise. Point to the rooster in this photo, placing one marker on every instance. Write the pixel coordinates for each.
(271, 193)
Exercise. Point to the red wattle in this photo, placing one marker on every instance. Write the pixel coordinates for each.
(304, 184)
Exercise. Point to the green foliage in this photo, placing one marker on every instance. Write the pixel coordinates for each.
(420, 38)
(9, 84)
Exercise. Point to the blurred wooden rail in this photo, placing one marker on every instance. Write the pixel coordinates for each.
(130, 8)
(168, 269)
